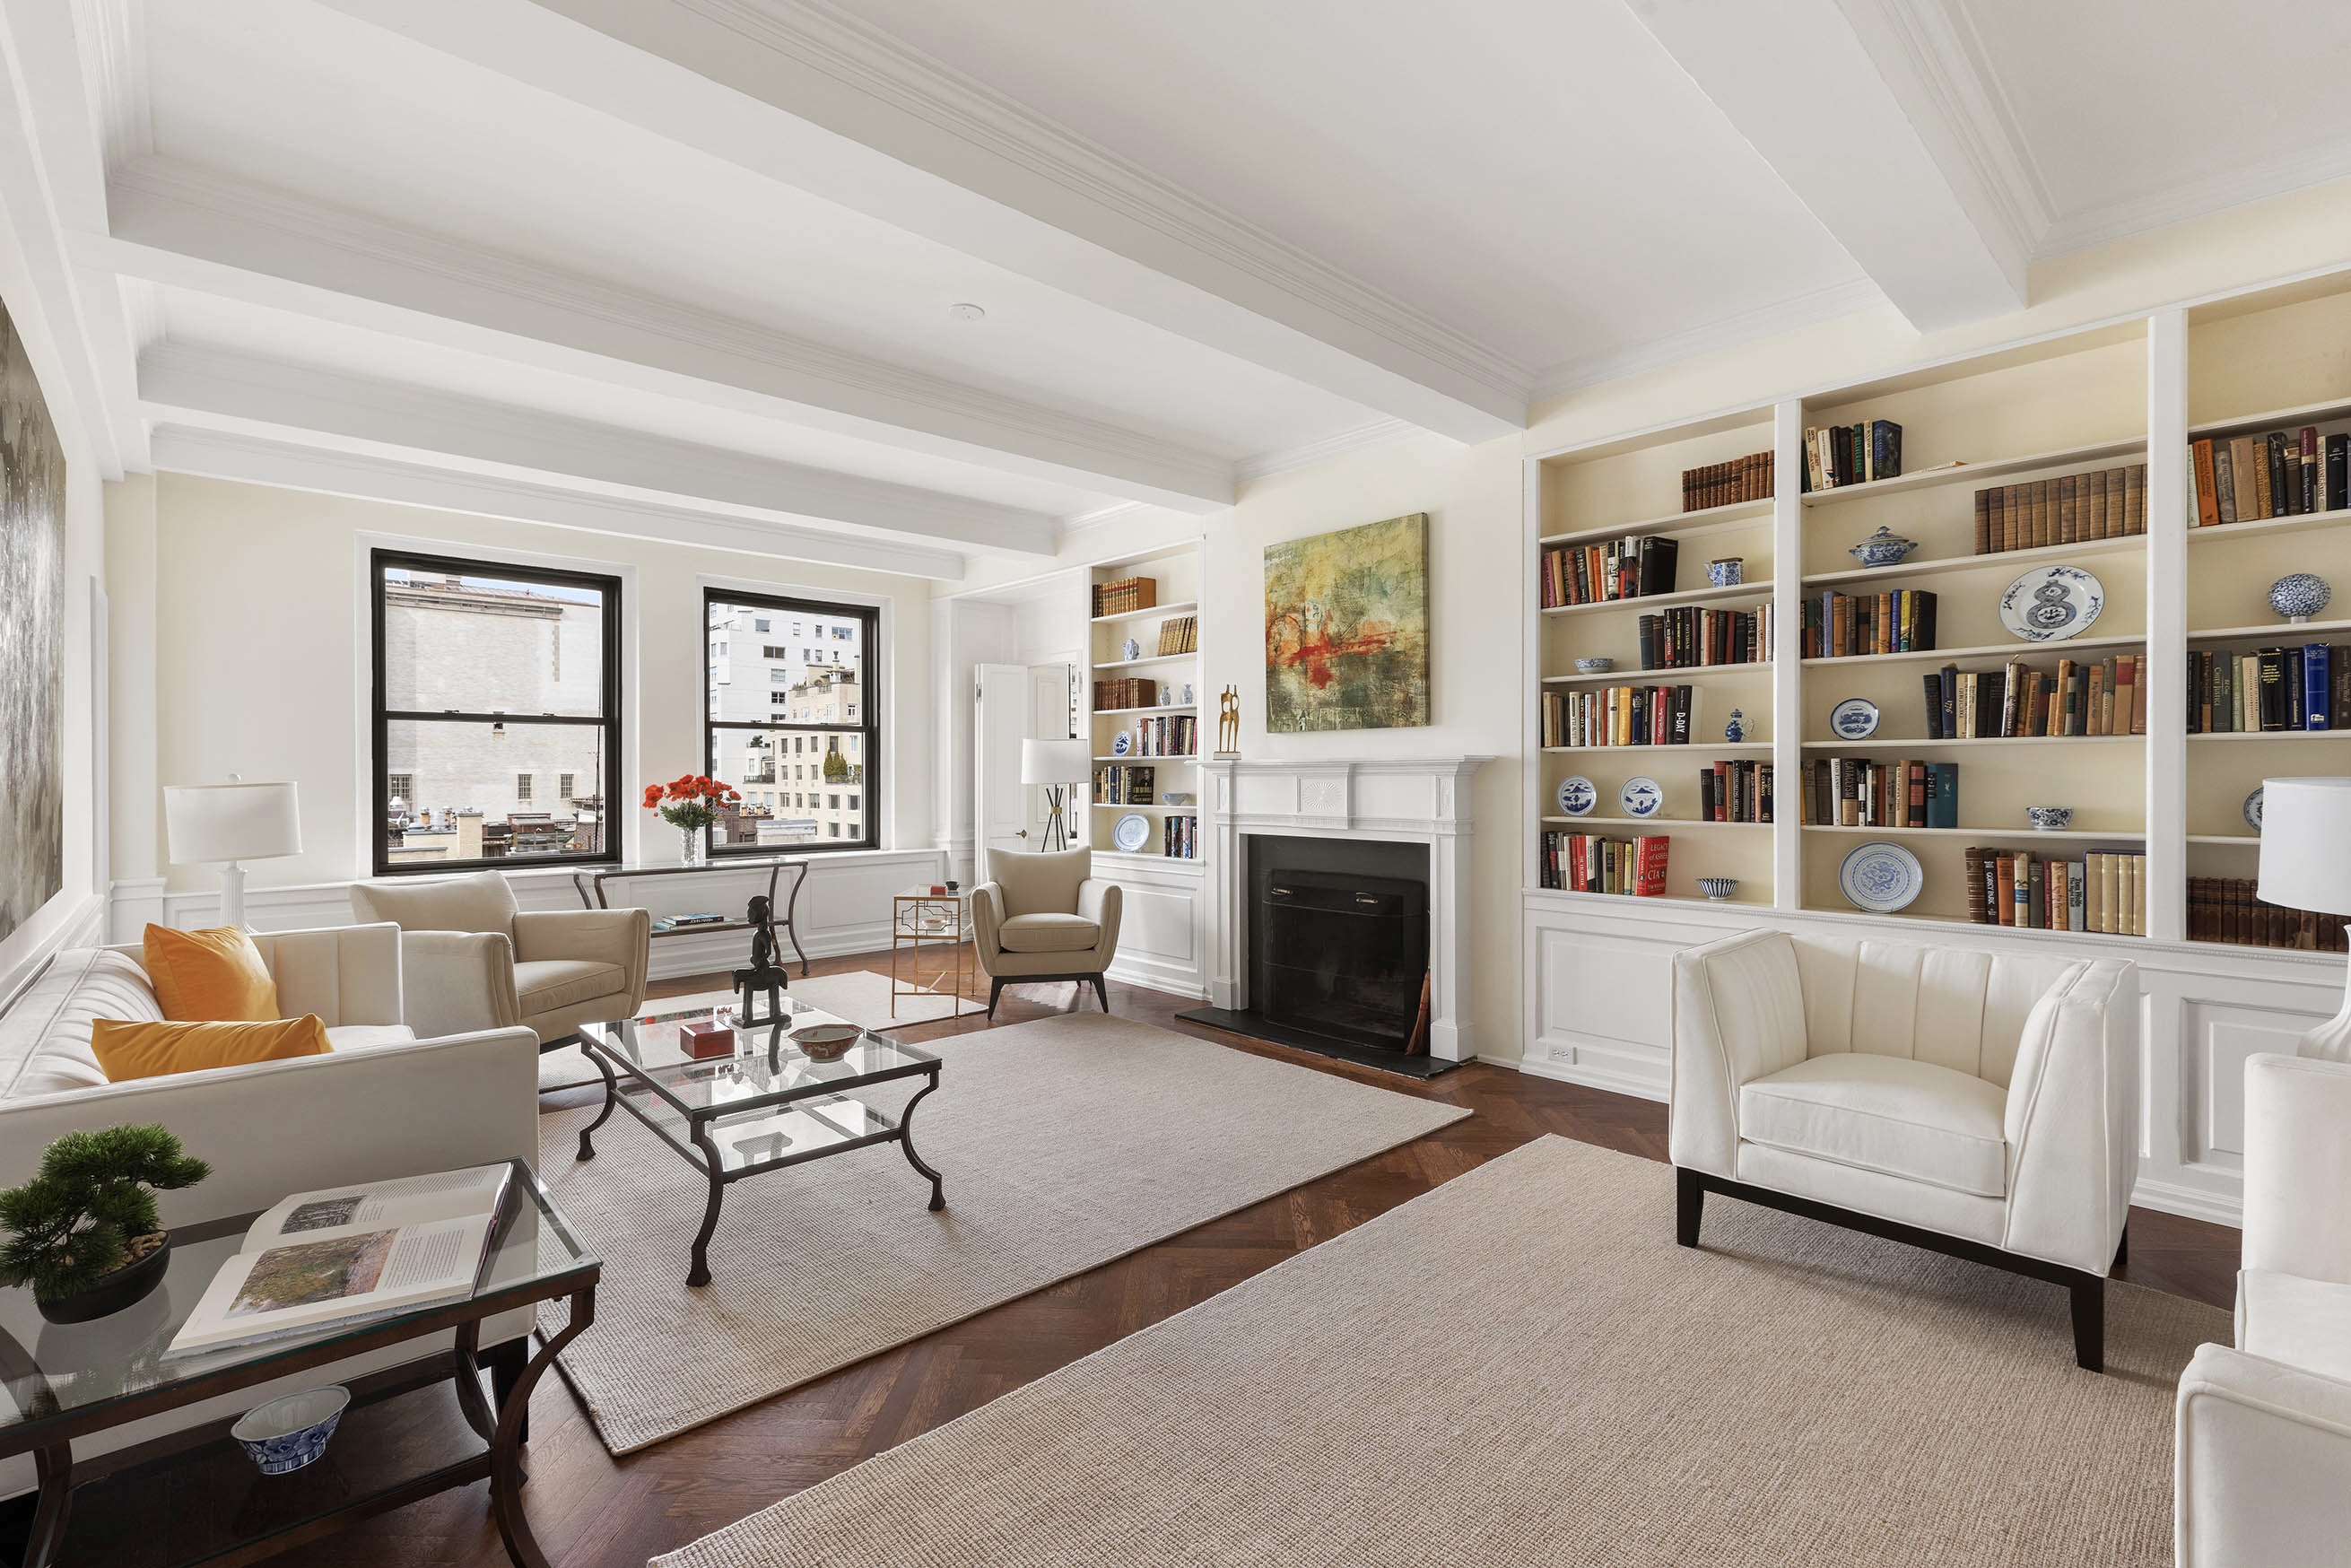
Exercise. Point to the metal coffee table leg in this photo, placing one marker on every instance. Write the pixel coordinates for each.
(506, 1448)
(611, 1098)
(700, 1273)
(906, 1141)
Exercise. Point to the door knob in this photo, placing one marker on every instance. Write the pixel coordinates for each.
(1021, 834)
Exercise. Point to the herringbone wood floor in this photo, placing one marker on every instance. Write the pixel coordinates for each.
(593, 1511)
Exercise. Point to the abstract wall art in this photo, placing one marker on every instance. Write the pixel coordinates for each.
(1346, 629)
(32, 640)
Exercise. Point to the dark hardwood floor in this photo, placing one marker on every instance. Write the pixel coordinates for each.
(593, 1511)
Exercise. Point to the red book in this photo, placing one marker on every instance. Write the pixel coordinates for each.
(1650, 865)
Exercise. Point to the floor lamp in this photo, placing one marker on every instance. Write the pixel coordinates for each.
(1055, 765)
(2306, 865)
(231, 823)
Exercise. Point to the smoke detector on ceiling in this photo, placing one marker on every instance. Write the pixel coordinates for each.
(966, 312)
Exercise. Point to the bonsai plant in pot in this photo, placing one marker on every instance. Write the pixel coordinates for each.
(83, 1232)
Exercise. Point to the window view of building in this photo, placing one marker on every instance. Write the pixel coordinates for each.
(790, 722)
(497, 721)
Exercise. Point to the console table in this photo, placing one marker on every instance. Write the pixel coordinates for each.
(591, 892)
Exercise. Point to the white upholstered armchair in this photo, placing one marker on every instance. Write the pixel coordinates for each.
(1977, 1103)
(562, 968)
(2263, 1477)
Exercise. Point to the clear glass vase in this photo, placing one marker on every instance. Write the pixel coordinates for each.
(691, 847)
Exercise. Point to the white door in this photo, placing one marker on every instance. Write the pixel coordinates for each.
(1016, 702)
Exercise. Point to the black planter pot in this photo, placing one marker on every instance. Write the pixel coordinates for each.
(125, 1287)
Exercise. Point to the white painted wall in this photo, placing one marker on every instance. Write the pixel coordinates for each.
(258, 664)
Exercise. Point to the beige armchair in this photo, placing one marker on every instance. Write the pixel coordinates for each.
(561, 968)
(1042, 917)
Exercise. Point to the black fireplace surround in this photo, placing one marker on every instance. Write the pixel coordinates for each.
(1337, 936)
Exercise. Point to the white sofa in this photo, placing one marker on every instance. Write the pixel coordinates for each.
(383, 1103)
(1977, 1104)
(2264, 1458)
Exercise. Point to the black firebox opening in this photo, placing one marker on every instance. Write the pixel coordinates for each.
(1340, 954)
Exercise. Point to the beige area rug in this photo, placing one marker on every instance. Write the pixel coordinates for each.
(1521, 1368)
(1065, 1142)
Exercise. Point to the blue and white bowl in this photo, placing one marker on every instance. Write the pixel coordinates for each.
(2300, 595)
(1718, 888)
(2050, 818)
(291, 1431)
(1594, 666)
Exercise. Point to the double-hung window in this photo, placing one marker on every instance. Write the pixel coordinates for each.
(489, 678)
(824, 706)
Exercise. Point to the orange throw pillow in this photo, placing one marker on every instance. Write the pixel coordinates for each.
(210, 976)
(128, 1050)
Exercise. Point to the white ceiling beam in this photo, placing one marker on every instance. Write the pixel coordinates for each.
(258, 460)
(819, 100)
(52, 183)
(200, 387)
(1899, 174)
(190, 228)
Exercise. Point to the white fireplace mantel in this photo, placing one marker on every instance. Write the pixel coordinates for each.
(1403, 800)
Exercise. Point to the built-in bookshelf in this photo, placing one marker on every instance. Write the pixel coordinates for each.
(2011, 463)
(1143, 703)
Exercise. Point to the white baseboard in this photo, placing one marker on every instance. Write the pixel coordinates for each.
(1636, 1085)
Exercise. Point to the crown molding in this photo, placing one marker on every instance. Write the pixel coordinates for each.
(2301, 170)
(191, 227)
(1309, 455)
(114, 34)
(185, 384)
(1820, 305)
(862, 56)
(258, 460)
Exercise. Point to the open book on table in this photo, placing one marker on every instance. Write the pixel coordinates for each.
(338, 1256)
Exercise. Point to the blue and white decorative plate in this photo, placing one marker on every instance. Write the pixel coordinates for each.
(1856, 718)
(2253, 807)
(1121, 744)
(1881, 877)
(1132, 832)
(1641, 797)
(1577, 796)
(2050, 604)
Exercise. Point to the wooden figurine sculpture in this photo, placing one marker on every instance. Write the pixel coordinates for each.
(1229, 722)
(764, 974)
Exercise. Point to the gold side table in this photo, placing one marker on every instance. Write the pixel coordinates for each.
(920, 919)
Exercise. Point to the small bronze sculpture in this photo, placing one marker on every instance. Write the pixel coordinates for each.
(1228, 723)
(764, 974)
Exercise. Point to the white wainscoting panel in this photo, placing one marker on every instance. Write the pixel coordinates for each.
(1599, 1010)
(1161, 916)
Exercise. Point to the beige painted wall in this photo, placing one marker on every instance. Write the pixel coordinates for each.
(258, 651)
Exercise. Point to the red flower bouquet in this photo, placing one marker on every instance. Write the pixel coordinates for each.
(690, 803)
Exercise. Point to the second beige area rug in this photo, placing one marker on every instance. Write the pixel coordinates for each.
(1521, 1368)
(1065, 1142)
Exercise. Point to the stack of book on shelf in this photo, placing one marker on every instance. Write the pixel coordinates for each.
(1631, 568)
(1179, 635)
(2098, 698)
(1122, 786)
(1618, 715)
(1852, 453)
(1735, 791)
(1587, 863)
(2109, 504)
(2226, 909)
(1747, 479)
(1689, 637)
(2305, 687)
(1180, 839)
(2103, 892)
(1840, 625)
(687, 922)
(2244, 478)
(1125, 596)
(1855, 792)
(1175, 735)
(1128, 691)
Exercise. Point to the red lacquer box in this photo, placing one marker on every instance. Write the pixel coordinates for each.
(707, 1039)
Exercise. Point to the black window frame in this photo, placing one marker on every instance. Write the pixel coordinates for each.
(382, 718)
(869, 725)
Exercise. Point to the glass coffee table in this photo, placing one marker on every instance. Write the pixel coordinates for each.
(765, 1106)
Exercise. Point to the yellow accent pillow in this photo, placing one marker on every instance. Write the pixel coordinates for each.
(210, 976)
(127, 1050)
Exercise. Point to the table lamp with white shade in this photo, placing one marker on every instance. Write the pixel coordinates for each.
(2306, 865)
(231, 823)
(1055, 765)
